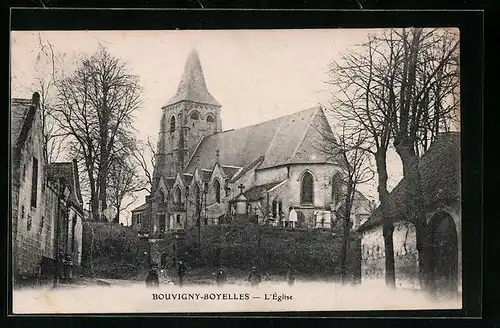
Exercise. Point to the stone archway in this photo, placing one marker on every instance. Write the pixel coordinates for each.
(443, 243)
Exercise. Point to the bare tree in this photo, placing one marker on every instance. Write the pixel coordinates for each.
(401, 87)
(124, 180)
(359, 103)
(144, 155)
(427, 80)
(96, 103)
(350, 151)
(47, 66)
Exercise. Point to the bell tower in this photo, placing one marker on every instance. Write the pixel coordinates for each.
(190, 115)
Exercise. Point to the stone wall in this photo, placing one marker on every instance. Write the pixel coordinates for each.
(33, 223)
(405, 251)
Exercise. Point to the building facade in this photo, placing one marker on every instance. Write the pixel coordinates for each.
(440, 174)
(35, 198)
(204, 174)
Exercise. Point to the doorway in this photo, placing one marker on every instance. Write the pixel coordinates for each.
(443, 243)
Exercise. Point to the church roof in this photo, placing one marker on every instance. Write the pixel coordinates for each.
(230, 171)
(291, 139)
(440, 174)
(192, 86)
(257, 192)
(188, 178)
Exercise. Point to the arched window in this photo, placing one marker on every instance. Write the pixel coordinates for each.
(195, 116)
(177, 195)
(210, 119)
(307, 189)
(161, 197)
(217, 191)
(172, 124)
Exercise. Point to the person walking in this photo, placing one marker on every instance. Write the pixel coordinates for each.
(181, 272)
(254, 277)
(152, 280)
(221, 277)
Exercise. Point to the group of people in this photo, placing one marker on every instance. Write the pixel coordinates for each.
(254, 277)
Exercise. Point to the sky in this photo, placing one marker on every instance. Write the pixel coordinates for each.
(256, 75)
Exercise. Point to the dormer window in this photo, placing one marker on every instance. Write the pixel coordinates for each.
(210, 119)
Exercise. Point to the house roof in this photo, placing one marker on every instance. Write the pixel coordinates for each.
(140, 208)
(18, 113)
(440, 174)
(192, 86)
(290, 139)
(69, 172)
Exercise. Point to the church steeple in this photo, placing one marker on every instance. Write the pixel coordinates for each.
(192, 86)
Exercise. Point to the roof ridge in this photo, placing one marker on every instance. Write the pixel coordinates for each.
(264, 122)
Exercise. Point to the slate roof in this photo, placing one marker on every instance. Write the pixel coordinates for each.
(205, 174)
(69, 172)
(169, 182)
(290, 139)
(230, 170)
(188, 178)
(440, 174)
(257, 192)
(140, 208)
(192, 86)
(18, 113)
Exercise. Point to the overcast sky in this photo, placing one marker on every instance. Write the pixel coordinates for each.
(256, 75)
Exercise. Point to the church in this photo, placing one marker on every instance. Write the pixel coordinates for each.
(261, 173)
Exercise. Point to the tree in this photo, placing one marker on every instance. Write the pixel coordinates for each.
(96, 103)
(349, 150)
(401, 87)
(123, 182)
(426, 83)
(144, 155)
(46, 67)
(358, 104)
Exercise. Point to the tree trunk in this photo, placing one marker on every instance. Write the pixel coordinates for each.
(103, 165)
(345, 233)
(388, 227)
(416, 211)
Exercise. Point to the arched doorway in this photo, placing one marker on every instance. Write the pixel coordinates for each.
(443, 243)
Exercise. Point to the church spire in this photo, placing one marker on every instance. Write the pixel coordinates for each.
(192, 86)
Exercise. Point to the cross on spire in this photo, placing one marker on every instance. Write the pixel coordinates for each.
(241, 187)
(217, 155)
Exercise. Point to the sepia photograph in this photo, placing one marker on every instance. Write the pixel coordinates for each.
(220, 171)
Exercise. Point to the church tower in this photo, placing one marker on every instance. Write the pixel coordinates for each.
(191, 114)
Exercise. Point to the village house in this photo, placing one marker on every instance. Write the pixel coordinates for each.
(258, 173)
(440, 174)
(44, 203)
